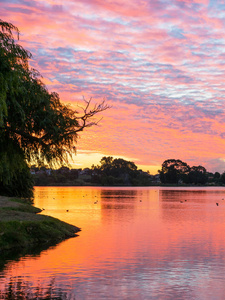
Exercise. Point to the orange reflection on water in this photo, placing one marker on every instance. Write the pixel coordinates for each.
(169, 237)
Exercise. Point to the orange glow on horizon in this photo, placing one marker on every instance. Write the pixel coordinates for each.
(159, 68)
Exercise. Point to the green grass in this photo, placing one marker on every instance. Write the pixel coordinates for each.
(21, 227)
(23, 208)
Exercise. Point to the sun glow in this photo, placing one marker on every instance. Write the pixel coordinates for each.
(153, 64)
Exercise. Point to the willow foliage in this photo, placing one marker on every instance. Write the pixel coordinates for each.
(35, 126)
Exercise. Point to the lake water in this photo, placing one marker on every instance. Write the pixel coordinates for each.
(135, 243)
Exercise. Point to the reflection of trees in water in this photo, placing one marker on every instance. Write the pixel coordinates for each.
(198, 196)
(16, 254)
(118, 199)
(119, 193)
(179, 206)
(19, 289)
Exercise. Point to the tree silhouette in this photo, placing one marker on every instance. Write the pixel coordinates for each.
(173, 170)
(35, 126)
(197, 175)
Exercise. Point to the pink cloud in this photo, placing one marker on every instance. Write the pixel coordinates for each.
(160, 66)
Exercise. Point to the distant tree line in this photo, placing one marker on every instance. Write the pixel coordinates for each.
(120, 172)
(110, 172)
(175, 171)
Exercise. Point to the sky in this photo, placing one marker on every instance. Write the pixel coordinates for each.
(159, 64)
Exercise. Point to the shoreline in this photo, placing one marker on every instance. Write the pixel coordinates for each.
(22, 228)
(120, 186)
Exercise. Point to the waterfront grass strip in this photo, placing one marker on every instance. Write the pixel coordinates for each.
(21, 227)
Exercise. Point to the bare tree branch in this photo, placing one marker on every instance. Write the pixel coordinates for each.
(86, 121)
(90, 113)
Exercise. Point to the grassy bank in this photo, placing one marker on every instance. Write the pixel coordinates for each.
(21, 227)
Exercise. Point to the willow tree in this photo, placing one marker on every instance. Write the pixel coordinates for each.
(35, 126)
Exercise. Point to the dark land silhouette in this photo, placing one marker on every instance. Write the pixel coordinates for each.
(120, 172)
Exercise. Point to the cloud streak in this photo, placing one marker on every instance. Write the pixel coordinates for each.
(159, 63)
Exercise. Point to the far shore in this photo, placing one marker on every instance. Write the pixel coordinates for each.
(63, 184)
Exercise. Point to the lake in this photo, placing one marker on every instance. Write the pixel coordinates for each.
(135, 243)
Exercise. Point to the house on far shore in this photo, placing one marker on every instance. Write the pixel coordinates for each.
(32, 171)
(43, 170)
(156, 179)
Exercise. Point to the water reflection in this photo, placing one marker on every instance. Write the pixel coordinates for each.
(120, 199)
(19, 289)
(135, 243)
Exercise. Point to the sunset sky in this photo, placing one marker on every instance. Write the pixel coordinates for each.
(160, 64)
